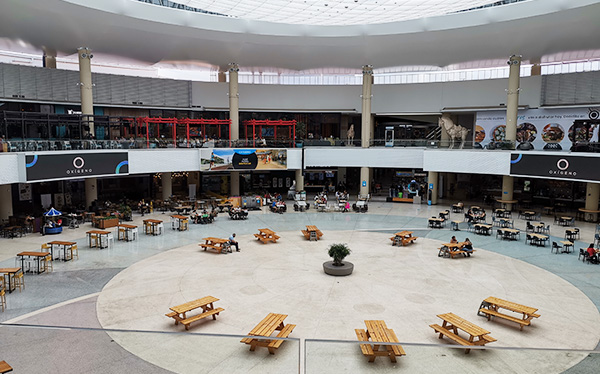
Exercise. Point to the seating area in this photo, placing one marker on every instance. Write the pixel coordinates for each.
(451, 325)
(403, 238)
(490, 308)
(271, 323)
(377, 331)
(312, 233)
(217, 244)
(206, 304)
(267, 235)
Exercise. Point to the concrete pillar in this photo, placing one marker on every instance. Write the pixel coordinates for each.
(167, 185)
(432, 179)
(365, 128)
(299, 180)
(221, 76)
(444, 139)
(6, 205)
(365, 181)
(234, 101)
(344, 126)
(91, 191)
(512, 100)
(507, 189)
(592, 194)
(49, 58)
(341, 175)
(536, 67)
(234, 185)
(85, 84)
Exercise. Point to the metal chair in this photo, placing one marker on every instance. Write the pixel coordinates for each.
(555, 247)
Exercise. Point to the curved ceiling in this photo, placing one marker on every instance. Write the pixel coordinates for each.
(152, 33)
(333, 12)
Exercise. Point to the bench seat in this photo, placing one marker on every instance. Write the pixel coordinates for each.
(306, 233)
(212, 246)
(410, 240)
(398, 350)
(490, 313)
(450, 334)
(214, 312)
(366, 349)
(459, 252)
(175, 316)
(284, 333)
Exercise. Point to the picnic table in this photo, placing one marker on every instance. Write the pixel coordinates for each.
(206, 304)
(95, 238)
(8, 274)
(5, 367)
(267, 235)
(490, 306)
(265, 328)
(64, 246)
(28, 257)
(403, 237)
(126, 232)
(452, 323)
(378, 332)
(218, 244)
(312, 232)
(454, 249)
(152, 226)
(181, 223)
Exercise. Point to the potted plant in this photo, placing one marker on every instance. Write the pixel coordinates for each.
(125, 211)
(338, 251)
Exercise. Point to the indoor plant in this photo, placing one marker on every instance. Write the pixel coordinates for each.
(338, 251)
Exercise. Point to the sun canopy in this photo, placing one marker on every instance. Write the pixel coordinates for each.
(52, 213)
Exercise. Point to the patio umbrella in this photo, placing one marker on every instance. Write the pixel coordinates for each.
(52, 213)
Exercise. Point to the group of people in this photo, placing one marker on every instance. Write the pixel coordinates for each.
(592, 255)
(238, 213)
(467, 246)
(204, 217)
(320, 198)
(475, 215)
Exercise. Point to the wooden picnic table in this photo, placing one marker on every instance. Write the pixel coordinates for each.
(454, 249)
(65, 245)
(38, 256)
(151, 226)
(181, 223)
(265, 328)
(127, 232)
(452, 323)
(8, 274)
(95, 238)
(490, 306)
(218, 244)
(378, 332)
(403, 237)
(312, 232)
(267, 235)
(5, 367)
(206, 304)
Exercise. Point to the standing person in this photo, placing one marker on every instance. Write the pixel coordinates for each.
(232, 241)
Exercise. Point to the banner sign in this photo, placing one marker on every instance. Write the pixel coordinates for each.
(75, 165)
(555, 166)
(221, 159)
(544, 128)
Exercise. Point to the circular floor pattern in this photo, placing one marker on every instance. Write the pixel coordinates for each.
(407, 287)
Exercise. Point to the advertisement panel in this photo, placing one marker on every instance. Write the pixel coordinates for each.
(41, 167)
(555, 166)
(221, 159)
(544, 128)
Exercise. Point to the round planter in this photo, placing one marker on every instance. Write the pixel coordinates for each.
(345, 269)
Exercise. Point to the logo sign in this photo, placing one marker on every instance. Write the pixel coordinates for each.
(364, 183)
(66, 166)
(555, 166)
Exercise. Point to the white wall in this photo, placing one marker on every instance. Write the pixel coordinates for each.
(467, 161)
(12, 168)
(163, 160)
(401, 98)
(357, 157)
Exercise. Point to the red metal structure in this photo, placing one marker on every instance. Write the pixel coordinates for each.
(291, 126)
(176, 122)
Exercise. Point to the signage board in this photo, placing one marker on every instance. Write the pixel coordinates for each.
(222, 159)
(555, 166)
(41, 167)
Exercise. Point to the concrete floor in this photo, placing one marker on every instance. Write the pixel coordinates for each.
(406, 287)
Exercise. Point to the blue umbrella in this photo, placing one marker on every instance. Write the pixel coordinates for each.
(52, 213)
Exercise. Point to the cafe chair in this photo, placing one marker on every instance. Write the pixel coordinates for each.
(582, 253)
(48, 264)
(19, 281)
(529, 227)
(2, 298)
(576, 232)
(528, 238)
(546, 229)
(555, 247)
(121, 234)
(74, 251)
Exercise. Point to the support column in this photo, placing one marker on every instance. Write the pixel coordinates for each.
(432, 184)
(536, 67)
(365, 128)
(6, 205)
(507, 189)
(299, 180)
(91, 191)
(592, 194)
(49, 58)
(85, 84)
(234, 102)
(343, 127)
(365, 182)
(167, 185)
(234, 185)
(221, 76)
(444, 139)
(512, 100)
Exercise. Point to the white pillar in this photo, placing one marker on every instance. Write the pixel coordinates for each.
(91, 191)
(167, 185)
(432, 178)
(299, 180)
(49, 58)
(235, 183)
(507, 189)
(592, 195)
(234, 101)
(364, 181)
(85, 83)
(512, 100)
(221, 76)
(536, 67)
(444, 138)
(6, 205)
(365, 128)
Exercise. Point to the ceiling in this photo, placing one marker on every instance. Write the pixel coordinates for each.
(151, 33)
(333, 12)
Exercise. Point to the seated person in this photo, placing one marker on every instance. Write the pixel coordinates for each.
(233, 242)
(468, 246)
(591, 251)
(194, 216)
(453, 240)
